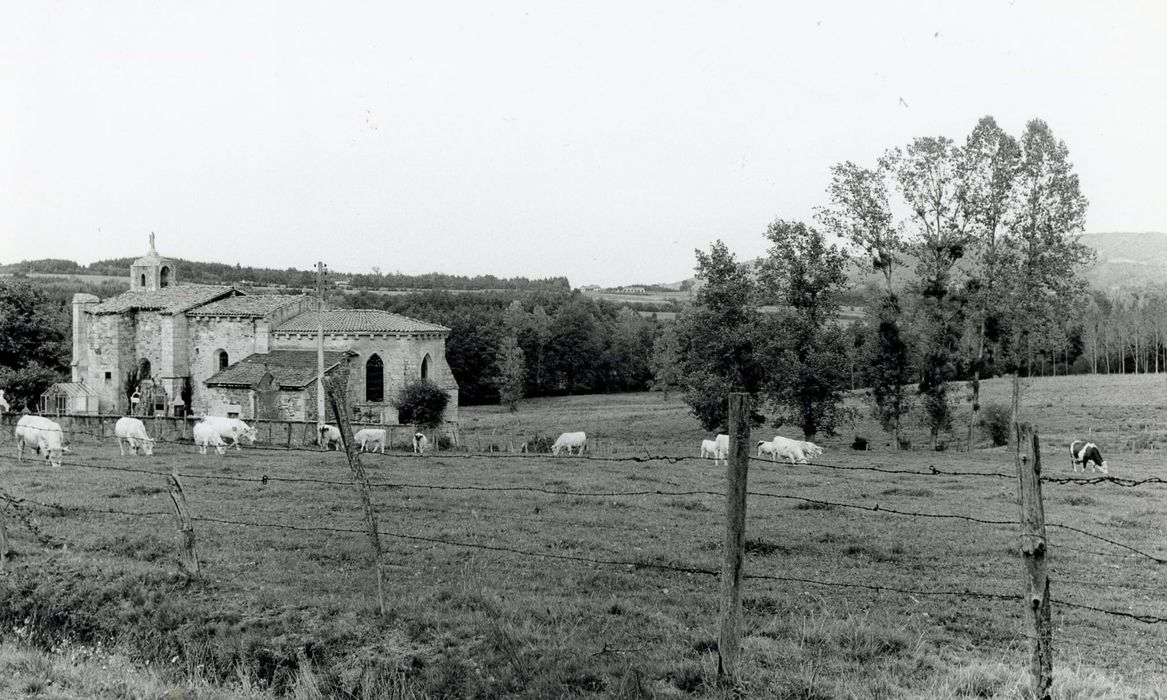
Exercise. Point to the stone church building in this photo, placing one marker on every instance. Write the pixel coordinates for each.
(254, 356)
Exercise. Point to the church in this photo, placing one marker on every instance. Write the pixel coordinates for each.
(163, 348)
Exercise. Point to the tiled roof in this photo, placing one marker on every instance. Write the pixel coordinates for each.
(168, 300)
(358, 321)
(293, 369)
(250, 305)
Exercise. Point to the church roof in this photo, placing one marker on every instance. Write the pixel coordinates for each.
(250, 305)
(292, 369)
(358, 321)
(168, 300)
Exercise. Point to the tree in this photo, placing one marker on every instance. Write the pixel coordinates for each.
(421, 403)
(32, 330)
(860, 212)
(511, 372)
(719, 331)
(667, 356)
(807, 364)
(926, 173)
(23, 387)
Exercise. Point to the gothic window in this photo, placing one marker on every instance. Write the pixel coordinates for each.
(374, 380)
(425, 367)
(221, 356)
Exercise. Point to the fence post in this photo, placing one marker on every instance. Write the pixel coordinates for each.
(3, 537)
(335, 390)
(185, 528)
(729, 640)
(1033, 551)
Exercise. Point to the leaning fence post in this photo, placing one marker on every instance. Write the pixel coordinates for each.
(729, 640)
(185, 528)
(335, 390)
(1033, 551)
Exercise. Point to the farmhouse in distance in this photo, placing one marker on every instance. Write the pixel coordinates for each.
(251, 356)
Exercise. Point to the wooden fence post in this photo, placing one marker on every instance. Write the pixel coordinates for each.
(336, 393)
(3, 537)
(185, 528)
(1033, 551)
(729, 641)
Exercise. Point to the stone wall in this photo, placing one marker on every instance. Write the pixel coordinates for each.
(239, 336)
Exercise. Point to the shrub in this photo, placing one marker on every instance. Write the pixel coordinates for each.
(995, 419)
(421, 403)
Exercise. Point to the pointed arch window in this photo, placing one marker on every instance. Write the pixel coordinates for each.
(375, 380)
(425, 367)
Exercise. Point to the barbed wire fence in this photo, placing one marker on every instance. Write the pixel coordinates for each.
(23, 508)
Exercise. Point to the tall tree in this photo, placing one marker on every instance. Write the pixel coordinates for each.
(511, 372)
(987, 169)
(807, 365)
(667, 356)
(720, 331)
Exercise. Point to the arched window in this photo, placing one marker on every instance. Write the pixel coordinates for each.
(221, 356)
(164, 277)
(143, 369)
(143, 281)
(425, 367)
(374, 380)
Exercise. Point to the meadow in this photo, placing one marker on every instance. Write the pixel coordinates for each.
(524, 575)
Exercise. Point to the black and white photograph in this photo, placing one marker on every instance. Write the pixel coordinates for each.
(629, 350)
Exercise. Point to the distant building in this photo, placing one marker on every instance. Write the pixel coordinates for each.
(590, 288)
(249, 355)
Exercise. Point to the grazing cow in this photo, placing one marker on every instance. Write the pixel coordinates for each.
(42, 436)
(811, 450)
(371, 436)
(329, 437)
(785, 448)
(133, 431)
(420, 443)
(4, 407)
(1082, 452)
(722, 442)
(208, 435)
(767, 448)
(231, 429)
(708, 449)
(569, 440)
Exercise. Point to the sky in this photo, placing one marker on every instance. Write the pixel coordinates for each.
(601, 141)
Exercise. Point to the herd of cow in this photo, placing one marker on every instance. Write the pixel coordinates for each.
(45, 437)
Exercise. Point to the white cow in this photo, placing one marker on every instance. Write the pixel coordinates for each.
(207, 435)
(708, 449)
(722, 453)
(133, 431)
(1082, 452)
(768, 448)
(371, 436)
(420, 443)
(231, 429)
(329, 437)
(569, 440)
(785, 448)
(42, 436)
(810, 449)
(4, 407)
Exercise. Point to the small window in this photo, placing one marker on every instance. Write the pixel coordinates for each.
(143, 284)
(425, 367)
(108, 376)
(223, 360)
(164, 277)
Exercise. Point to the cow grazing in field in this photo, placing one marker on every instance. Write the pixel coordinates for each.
(231, 429)
(1082, 452)
(569, 440)
(4, 407)
(722, 443)
(208, 435)
(42, 436)
(785, 448)
(133, 432)
(708, 449)
(370, 437)
(767, 448)
(420, 443)
(329, 437)
(811, 450)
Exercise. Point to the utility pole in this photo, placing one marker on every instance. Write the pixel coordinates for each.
(320, 268)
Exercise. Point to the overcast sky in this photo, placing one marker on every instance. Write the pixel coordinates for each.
(602, 141)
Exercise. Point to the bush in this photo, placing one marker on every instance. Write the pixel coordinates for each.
(995, 420)
(421, 403)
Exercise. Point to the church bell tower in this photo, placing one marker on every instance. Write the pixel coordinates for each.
(151, 272)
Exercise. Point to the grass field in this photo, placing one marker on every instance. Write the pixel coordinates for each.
(283, 611)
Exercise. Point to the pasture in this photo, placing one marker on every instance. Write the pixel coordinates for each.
(531, 576)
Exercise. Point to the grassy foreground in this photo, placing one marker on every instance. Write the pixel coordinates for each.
(281, 612)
